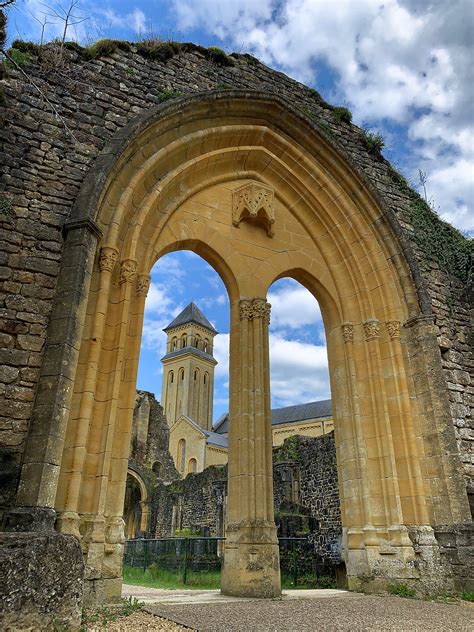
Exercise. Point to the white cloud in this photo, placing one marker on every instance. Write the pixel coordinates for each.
(405, 61)
(293, 307)
(298, 370)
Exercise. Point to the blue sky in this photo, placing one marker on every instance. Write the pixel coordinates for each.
(403, 67)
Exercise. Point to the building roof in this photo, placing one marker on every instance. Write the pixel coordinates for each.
(286, 415)
(193, 350)
(218, 440)
(191, 314)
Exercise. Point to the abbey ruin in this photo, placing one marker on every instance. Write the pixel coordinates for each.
(119, 153)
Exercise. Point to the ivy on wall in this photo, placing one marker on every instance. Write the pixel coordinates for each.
(440, 241)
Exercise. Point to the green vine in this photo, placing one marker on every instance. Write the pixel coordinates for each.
(289, 451)
(440, 241)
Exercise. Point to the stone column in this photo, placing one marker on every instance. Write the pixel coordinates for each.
(251, 560)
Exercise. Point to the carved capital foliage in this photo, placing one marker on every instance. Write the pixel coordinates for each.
(143, 284)
(348, 332)
(107, 258)
(254, 202)
(128, 271)
(255, 308)
(393, 328)
(371, 329)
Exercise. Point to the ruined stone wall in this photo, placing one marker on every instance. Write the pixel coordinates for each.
(306, 497)
(55, 123)
(149, 451)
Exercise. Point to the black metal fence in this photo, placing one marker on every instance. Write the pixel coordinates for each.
(197, 554)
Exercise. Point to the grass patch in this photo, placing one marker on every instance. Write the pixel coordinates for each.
(467, 595)
(104, 48)
(342, 114)
(155, 577)
(402, 590)
(374, 142)
(219, 57)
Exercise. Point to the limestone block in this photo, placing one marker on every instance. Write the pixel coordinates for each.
(41, 584)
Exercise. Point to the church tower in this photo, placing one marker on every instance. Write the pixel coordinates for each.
(188, 368)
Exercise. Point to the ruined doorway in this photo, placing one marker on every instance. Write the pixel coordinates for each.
(256, 190)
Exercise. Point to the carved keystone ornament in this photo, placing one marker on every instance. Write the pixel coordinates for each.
(254, 202)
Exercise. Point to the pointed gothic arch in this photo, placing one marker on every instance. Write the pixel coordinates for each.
(148, 195)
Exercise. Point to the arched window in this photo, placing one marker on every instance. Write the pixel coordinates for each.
(184, 341)
(196, 375)
(171, 377)
(192, 466)
(197, 341)
(174, 344)
(156, 468)
(181, 454)
(206, 376)
(206, 345)
(181, 375)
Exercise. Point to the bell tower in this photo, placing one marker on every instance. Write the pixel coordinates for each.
(188, 368)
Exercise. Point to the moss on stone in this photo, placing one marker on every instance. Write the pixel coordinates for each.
(219, 57)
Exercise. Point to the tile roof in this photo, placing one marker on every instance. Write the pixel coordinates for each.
(288, 414)
(191, 314)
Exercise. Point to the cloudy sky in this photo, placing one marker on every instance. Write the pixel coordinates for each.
(403, 67)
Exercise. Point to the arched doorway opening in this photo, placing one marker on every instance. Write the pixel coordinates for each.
(257, 191)
(136, 508)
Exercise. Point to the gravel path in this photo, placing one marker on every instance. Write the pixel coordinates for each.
(360, 613)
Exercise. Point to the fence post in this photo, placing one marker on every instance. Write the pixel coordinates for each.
(185, 569)
(295, 563)
(145, 555)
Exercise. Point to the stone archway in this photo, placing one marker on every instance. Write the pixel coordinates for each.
(250, 185)
(136, 511)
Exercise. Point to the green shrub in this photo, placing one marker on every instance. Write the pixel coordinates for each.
(219, 57)
(467, 595)
(374, 142)
(342, 114)
(402, 590)
(19, 57)
(26, 47)
(104, 48)
(157, 50)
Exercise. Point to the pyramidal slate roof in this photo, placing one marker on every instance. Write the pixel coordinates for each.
(191, 314)
(288, 414)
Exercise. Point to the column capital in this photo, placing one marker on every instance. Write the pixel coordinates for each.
(371, 329)
(107, 258)
(143, 284)
(250, 309)
(393, 328)
(348, 332)
(128, 271)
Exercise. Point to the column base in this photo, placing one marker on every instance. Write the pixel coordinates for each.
(251, 561)
(398, 555)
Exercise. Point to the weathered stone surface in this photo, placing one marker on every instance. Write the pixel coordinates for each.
(41, 587)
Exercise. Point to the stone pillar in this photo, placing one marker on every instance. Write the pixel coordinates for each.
(251, 560)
